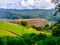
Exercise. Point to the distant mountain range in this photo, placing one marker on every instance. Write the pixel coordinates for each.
(7, 14)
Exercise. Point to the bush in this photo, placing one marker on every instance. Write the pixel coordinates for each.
(11, 41)
(33, 26)
(28, 40)
(49, 41)
(58, 41)
(24, 23)
(56, 29)
(42, 36)
(47, 27)
(56, 32)
(20, 41)
(38, 37)
(3, 41)
(39, 28)
(33, 38)
(15, 41)
(32, 34)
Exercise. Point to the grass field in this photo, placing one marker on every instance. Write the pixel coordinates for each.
(10, 29)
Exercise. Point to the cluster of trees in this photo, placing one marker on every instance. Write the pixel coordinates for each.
(41, 28)
(26, 39)
(30, 39)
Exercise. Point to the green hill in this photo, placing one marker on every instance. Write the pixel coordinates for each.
(10, 29)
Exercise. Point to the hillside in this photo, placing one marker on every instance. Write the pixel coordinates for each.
(37, 22)
(6, 28)
(7, 14)
(9, 29)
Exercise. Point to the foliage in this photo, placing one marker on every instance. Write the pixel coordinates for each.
(24, 23)
(11, 41)
(50, 41)
(47, 27)
(39, 28)
(33, 26)
(27, 40)
(56, 32)
(56, 29)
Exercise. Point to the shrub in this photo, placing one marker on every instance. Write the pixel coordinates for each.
(33, 26)
(47, 27)
(11, 41)
(58, 41)
(56, 32)
(3, 41)
(48, 41)
(15, 41)
(20, 41)
(39, 28)
(56, 29)
(42, 36)
(38, 37)
(32, 34)
(27, 39)
(24, 23)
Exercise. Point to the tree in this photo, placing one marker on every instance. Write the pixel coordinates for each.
(24, 23)
(33, 26)
(47, 27)
(27, 39)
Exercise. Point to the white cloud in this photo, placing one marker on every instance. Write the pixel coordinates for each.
(26, 4)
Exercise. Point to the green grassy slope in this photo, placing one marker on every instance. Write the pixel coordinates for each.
(9, 29)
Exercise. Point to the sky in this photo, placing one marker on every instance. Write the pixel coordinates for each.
(26, 4)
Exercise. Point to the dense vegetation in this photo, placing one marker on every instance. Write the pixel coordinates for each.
(12, 34)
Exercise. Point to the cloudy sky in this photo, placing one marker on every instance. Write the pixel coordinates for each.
(26, 4)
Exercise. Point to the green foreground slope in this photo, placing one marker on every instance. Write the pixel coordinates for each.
(9, 29)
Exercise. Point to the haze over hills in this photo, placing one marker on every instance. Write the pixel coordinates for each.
(7, 14)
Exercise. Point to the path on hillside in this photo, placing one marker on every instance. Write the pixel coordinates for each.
(13, 32)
